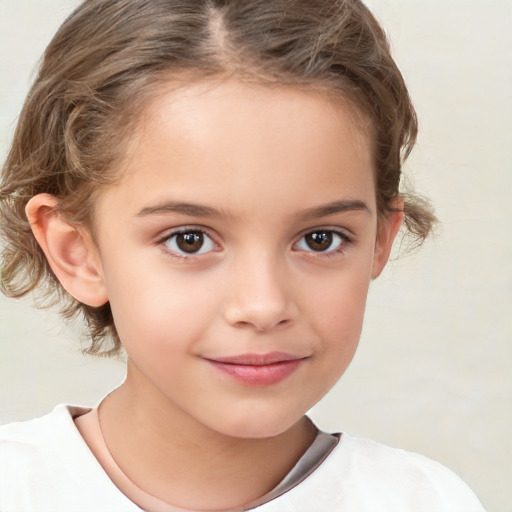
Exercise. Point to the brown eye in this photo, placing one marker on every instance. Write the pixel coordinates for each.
(322, 241)
(190, 242)
(319, 241)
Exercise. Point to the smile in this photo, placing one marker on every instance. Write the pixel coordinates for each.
(258, 370)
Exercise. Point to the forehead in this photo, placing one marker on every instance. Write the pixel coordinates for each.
(231, 141)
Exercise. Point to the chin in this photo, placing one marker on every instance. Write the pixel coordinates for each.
(256, 426)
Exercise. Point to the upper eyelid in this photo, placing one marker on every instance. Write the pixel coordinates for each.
(169, 233)
(343, 232)
(346, 242)
(172, 232)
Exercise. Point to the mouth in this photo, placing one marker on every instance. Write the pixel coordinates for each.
(258, 370)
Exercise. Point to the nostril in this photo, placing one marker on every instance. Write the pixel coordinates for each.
(265, 326)
(257, 322)
(262, 304)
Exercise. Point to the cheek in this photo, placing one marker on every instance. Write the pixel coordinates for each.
(339, 308)
(158, 308)
(339, 301)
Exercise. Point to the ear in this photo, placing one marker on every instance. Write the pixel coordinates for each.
(387, 230)
(69, 250)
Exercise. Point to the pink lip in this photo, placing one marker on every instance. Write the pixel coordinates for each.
(258, 370)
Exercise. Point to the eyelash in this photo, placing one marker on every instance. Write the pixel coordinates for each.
(344, 241)
(185, 230)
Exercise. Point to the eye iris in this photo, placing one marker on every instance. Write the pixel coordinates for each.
(319, 241)
(190, 242)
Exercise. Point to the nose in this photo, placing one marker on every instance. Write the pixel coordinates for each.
(260, 296)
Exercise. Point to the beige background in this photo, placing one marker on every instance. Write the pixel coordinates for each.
(433, 372)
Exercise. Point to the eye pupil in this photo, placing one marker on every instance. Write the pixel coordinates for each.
(319, 240)
(190, 242)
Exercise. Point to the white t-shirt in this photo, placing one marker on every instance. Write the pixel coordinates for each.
(46, 466)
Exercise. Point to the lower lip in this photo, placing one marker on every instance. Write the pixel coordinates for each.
(258, 375)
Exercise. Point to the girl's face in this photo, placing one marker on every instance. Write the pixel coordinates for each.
(237, 252)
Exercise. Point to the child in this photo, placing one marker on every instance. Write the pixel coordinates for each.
(212, 184)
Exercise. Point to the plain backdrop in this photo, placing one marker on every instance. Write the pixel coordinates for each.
(433, 371)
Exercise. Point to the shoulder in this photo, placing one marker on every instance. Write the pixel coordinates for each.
(366, 476)
(403, 477)
(39, 437)
(30, 451)
(394, 465)
(46, 465)
(366, 454)
(38, 434)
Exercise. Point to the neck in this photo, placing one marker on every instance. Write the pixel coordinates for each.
(181, 461)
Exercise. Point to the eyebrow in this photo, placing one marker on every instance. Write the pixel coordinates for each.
(335, 207)
(198, 210)
(190, 209)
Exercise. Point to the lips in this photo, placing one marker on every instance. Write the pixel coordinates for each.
(257, 370)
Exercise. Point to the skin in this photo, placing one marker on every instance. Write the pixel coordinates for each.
(264, 162)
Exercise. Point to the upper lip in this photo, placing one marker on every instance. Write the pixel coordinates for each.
(255, 359)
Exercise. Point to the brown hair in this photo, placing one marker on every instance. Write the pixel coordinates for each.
(107, 56)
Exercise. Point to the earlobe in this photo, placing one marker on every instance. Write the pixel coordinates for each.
(70, 251)
(386, 233)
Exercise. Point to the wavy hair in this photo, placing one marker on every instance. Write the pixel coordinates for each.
(109, 56)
